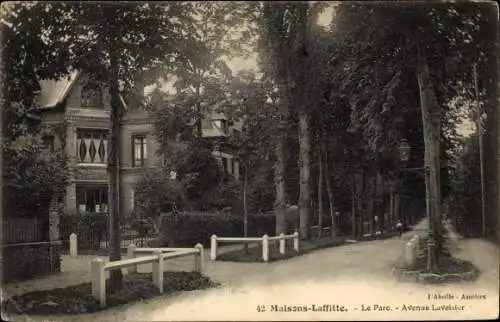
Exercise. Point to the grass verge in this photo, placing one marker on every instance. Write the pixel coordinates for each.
(254, 253)
(78, 299)
(450, 268)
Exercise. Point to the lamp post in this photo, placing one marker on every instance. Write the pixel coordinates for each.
(404, 153)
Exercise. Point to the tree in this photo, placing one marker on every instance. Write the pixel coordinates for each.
(463, 203)
(271, 49)
(112, 42)
(320, 193)
(254, 143)
(288, 30)
(33, 171)
(409, 40)
(221, 31)
(202, 75)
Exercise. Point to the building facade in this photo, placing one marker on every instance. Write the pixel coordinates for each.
(80, 107)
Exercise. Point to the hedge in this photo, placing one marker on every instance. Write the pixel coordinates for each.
(23, 262)
(190, 228)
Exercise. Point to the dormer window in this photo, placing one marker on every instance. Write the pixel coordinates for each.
(92, 95)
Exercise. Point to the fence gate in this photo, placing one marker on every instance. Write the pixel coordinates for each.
(94, 239)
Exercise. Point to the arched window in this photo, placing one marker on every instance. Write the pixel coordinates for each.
(92, 95)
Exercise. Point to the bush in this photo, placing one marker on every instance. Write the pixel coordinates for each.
(450, 268)
(156, 192)
(26, 262)
(143, 227)
(198, 169)
(254, 253)
(32, 176)
(229, 196)
(260, 195)
(78, 299)
(190, 228)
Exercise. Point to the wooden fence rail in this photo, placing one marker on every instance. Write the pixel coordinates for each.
(264, 240)
(98, 267)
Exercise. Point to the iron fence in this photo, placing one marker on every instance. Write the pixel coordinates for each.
(21, 230)
(95, 238)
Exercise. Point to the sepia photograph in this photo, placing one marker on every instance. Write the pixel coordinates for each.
(249, 160)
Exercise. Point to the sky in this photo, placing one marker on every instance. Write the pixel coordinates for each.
(466, 128)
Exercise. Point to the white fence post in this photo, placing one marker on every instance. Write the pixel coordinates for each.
(158, 270)
(198, 258)
(131, 254)
(282, 243)
(98, 279)
(409, 252)
(265, 248)
(213, 247)
(296, 241)
(417, 246)
(73, 245)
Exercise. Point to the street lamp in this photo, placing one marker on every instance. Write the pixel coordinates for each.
(404, 151)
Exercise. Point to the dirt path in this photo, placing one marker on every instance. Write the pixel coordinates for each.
(350, 276)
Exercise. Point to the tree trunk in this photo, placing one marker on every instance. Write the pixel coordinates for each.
(2, 103)
(329, 190)
(353, 206)
(392, 216)
(304, 174)
(359, 201)
(397, 207)
(320, 193)
(245, 210)
(114, 170)
(376, 204)
(371, 212)
(279, 184)
(381, 210)
(198, 114)
(431, 120)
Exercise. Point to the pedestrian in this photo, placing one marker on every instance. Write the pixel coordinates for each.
(399, 228)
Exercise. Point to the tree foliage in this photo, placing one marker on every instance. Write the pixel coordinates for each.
(33, 172)
(464, 201)
(114, 42)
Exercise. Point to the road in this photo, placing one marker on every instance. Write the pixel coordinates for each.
(355, 276)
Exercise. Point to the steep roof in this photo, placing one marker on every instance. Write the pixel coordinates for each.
(53, 92)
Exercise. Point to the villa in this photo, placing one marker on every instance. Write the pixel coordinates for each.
(81, 107)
